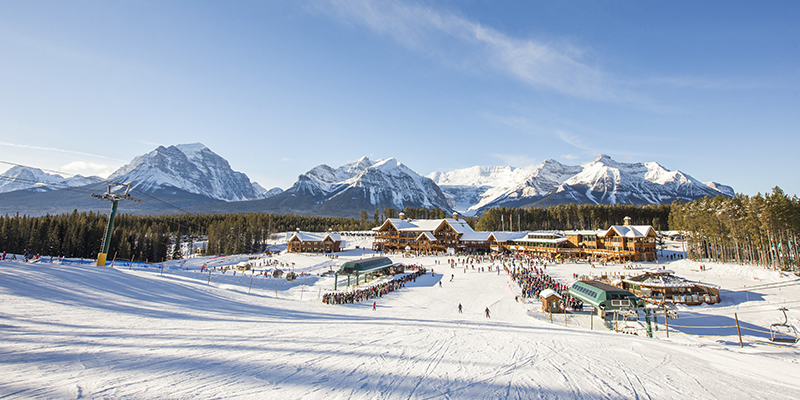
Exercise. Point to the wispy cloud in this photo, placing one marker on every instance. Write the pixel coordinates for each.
(572, 140)
(87, 168)
(24, 146)
(515, 160)
(536, 63)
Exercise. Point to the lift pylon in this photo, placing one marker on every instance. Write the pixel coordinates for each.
(114, 198)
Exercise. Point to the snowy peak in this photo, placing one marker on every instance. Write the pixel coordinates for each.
(266, 193)
(193, 168)
(379, 183)
(27, 178)
(603, 180)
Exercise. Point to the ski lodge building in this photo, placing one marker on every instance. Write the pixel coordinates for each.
(662, 285)
(618, 243)
(307, 242)
(438, 235)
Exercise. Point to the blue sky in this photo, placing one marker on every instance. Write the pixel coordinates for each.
(710, 88)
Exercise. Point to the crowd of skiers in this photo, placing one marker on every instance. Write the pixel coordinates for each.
(373, 291)
(533, 280)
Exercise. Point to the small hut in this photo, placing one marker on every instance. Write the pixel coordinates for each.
(551, 301)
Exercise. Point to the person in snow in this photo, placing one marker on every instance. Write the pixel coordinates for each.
(487, 312)
(374, 305)
(440, 283)
(459, 308)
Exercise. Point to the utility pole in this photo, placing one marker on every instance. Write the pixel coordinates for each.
(114, 198)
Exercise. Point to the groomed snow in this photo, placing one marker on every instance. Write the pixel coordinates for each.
(71, 330)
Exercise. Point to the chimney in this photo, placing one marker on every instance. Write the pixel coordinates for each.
(627, 221)
(455, 216)
(402, 215)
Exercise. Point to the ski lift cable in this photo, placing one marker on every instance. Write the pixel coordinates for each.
(58, 186)
(81, 190)
(33, 182)
(766, 285)
(76, 189)
(149, 213)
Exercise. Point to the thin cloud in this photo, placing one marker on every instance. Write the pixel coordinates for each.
(572, 140)
(24, 146)
(538, 64)
(87, 168)
(515, 160)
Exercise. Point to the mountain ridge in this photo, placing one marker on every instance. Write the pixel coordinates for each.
(197, 179)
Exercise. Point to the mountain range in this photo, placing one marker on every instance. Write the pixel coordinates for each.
(192, 178)
(602, 181)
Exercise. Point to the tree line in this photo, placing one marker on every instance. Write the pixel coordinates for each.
(573, 217)
(759, 230)
(150, 238)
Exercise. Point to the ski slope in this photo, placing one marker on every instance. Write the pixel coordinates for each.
(70, 330)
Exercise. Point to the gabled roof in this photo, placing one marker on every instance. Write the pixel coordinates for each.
(458, 225)
(315, 237)
(426, 235)
(632, 231)
(426, 225)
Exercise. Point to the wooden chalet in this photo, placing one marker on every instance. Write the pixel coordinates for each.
(548, 244)
(429, 235)
(629, 242)
(307, 242)
(659, 286)
(618, 243)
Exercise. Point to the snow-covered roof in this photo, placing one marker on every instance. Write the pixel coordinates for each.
(427, 235)
(631, 231)
(315, 237)
(429, 225)
(475, 236)
(541, 240)
(502, 237)
(659, 279)
(585, 232)
(548, 293)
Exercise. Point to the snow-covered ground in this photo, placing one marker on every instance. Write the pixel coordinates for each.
(72, 330)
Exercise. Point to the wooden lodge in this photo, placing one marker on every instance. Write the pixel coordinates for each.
(307, 242)
(619, 243)
(436, 235)
(660, 286)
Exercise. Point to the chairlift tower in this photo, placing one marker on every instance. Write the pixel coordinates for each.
(114, 198)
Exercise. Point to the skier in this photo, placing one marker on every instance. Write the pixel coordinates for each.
(374, 305)
(459, 308)
(487, 312)
(440, 283)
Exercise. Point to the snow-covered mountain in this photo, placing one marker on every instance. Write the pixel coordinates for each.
(602, 181)
(27, 178)
(360, 185)
(191, 168)
(266, 193)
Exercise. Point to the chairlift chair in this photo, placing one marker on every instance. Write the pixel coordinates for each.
(783, 332)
